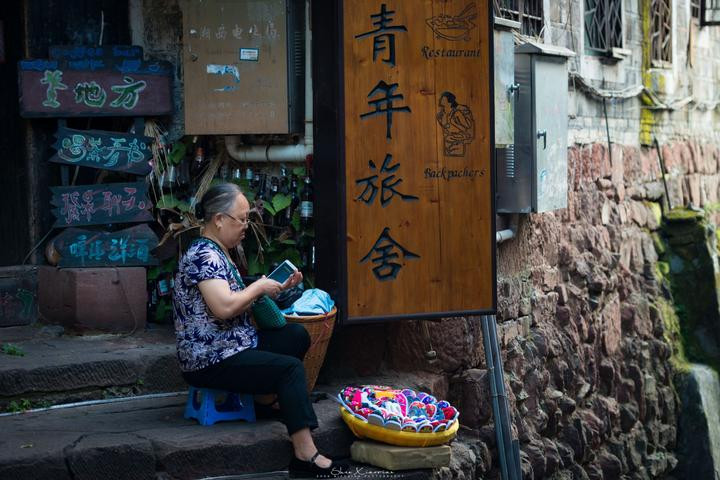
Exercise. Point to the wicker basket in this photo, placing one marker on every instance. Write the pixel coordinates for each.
(320, 328)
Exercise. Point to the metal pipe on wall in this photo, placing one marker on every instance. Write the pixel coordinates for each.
(508, 449)
(508, 233)
(490, 363)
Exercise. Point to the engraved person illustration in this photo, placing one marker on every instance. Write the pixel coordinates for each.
(457, 123)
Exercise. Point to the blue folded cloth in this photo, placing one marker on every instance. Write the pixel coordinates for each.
(313, 301)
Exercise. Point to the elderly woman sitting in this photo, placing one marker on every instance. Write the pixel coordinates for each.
(217, 345)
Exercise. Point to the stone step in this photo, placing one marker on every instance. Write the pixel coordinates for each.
(146, 438)
(55, 369)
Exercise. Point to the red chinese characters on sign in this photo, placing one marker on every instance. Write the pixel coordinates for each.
(101, 204)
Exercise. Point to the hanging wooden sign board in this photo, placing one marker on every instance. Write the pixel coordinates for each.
(121, 152)
(418, 170)
(94, 82)
(101, 204)
(91, 248)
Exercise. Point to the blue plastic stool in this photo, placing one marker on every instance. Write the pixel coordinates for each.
(201, 405)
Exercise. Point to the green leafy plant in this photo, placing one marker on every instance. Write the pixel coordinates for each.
(163, 308)
(168, 201)
(178, 152)
(12, 349)
(19, 406)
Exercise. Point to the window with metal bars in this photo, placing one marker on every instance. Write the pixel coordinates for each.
(709, 12)
(661, 31)
(528, 12)
(695, 8)
(603, 25)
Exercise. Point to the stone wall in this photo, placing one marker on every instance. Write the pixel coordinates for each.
(586, 348)
(592, 381)
(583, 325)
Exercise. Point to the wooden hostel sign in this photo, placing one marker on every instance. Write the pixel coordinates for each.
(418, 170)
(90, 81)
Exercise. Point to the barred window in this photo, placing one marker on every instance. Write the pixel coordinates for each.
(661, 31)
(695, 8)
(603, 25)
(709, 12)
(528, 12)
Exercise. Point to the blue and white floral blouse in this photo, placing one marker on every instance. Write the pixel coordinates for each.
(202, 338)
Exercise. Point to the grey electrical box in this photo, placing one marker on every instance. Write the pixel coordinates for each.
(532, 177)
(504, 63)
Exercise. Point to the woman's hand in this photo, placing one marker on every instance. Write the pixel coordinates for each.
(292, 280)
(268, 286)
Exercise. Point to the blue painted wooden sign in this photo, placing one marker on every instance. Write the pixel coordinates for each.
(101, 204)
(121, 152)
(88, 248)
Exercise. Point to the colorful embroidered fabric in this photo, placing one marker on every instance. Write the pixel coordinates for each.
(395, 409)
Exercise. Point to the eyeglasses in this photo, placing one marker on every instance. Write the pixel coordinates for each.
(241, 222)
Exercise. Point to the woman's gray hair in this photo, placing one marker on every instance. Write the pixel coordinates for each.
(218, 199)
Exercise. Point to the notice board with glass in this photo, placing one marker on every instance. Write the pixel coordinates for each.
(415, 147)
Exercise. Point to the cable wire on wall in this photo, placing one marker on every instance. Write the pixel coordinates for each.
(651, 99)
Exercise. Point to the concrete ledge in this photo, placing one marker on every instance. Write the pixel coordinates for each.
(394, 458)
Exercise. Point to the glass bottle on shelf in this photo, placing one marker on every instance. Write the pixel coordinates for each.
(224, 172)
(255, 183)
(197, 165)
(284, 181)
(306, 204)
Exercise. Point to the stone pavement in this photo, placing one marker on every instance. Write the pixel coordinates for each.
(143, 437)
(150, 439)
(135, 438)
(63, 368)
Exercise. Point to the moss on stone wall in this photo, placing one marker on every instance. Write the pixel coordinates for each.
(688, 265)
(684, 214)
(647, 117)
(673, 334)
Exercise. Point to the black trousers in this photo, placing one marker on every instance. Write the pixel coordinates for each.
(274, 367)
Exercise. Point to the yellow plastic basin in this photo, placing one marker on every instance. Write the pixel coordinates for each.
(362, 429)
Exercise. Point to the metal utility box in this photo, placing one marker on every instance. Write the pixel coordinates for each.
(244, 66)
(505, 87)
(535, 178)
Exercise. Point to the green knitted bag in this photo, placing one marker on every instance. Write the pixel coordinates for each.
(267, 314)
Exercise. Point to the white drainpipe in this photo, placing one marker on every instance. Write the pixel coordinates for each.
(283, 153)
(510, 232)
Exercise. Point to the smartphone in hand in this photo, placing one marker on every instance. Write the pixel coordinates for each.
(282, 272)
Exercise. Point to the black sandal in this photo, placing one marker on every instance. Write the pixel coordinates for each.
(302, 469)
